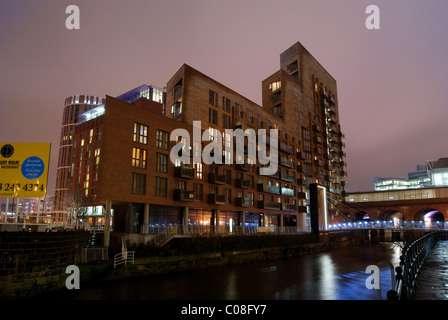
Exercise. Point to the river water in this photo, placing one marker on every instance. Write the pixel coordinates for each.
(339, 274)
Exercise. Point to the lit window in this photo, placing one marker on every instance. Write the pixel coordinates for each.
(140, 133)
(162, 140)
(275, 85)
(139, 158)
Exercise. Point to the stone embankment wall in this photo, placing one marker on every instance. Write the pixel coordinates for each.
(35, 262)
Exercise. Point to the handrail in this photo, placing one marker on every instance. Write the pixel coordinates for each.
(411, 261)
(124, 257)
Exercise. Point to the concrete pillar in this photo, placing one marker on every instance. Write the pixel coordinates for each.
(217, 221)
(146, 219)
(6, 209)
(243, 221)
(17, 210)
(107, 223)
(185, 221)
(282, 222)
(38, 210)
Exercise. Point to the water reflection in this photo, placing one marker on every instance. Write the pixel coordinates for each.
(335, 275)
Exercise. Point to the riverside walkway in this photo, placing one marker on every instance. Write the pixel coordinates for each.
(432, 282)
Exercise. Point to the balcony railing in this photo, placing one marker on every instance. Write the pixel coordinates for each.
(242, 202)
(286, 177)
(286, 148)
(275, 175)
(184, 172)
(214, 198)
(243, 184)
(268, 188)
(286, 163)
(301, 155)
(183, 195)
(288, 207)
(243, 166)
(269, 205)
(216, 178)
(287, 192)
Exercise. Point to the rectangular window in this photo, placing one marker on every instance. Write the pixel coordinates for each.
(197, 190)
(176, 110)
(226, 121)
(250, 116)
(238, 110)
(140, 133)
(228, 194)
(228, 175)
(160, 186)
(162, 139)
(161, 162)
(275, 85)
(226, 104)
(138, 183)
(212, 116)
(198, 170)
(213, 98)
(139, 158)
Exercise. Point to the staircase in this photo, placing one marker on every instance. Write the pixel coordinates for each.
(96, 239)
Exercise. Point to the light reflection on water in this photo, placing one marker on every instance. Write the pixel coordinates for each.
(334, 275)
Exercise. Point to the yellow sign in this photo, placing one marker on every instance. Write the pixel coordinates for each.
(24, 169)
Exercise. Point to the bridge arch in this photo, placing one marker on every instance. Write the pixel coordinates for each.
(430, 216)
(392, 215)
(362, 216)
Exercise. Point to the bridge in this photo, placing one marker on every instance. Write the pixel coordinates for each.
(427, 206)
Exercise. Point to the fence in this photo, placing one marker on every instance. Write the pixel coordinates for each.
(411, 261)
(125, 257)
(225, 230)
(406, 225)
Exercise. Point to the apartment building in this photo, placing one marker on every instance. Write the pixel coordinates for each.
(121, 152)
(73, 107)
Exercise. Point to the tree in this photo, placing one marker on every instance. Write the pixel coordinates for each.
(77, 203)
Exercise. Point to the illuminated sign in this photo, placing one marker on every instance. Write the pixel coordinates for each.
(24, 169)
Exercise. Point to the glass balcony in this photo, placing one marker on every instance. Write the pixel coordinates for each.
(243, 167)
(243, 184)
(216, 198)
(269, 205)
(242, 202)
(183, 195)
(184, 172)
(286, 177)
(216, 178)
(268, 188)
(288, 207)
(287, 192)
(286, 148)
(286, 163)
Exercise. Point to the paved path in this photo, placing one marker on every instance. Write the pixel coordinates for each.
(433, 280)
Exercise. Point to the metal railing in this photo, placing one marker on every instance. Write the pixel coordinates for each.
(125, 257)
(162, 234)
(412, 258)
(405, 225)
